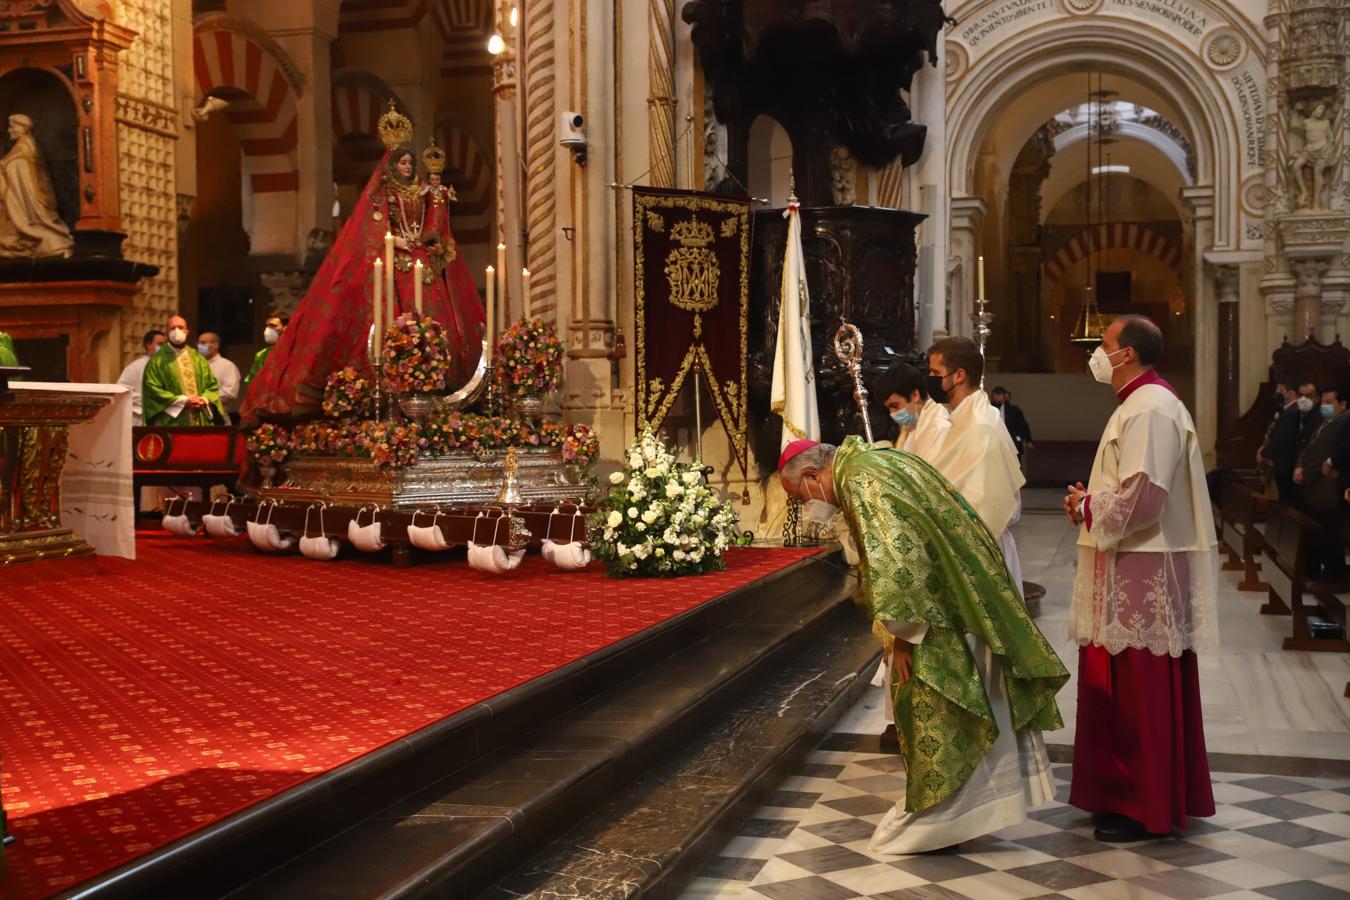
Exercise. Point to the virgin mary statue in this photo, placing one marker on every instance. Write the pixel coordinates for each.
(329, 328)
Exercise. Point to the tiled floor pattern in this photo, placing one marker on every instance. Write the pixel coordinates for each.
(1281, 837)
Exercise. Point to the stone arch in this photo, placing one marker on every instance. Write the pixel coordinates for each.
(1119, 236)
(235, 61)
(468, 163)
(357, 101)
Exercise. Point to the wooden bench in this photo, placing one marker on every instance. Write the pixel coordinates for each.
(1239, 511)
(1290, 536)
(186, 457)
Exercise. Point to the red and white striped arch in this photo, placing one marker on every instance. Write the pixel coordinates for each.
(468, 167)
(233, 66)
(1118, 236)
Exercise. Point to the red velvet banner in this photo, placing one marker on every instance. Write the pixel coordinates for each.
(692, 261)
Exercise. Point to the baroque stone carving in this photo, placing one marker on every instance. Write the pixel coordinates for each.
(1255, 195)
(30, 225)
(955, 60)
(843, 177)
(1223, 50)
(1081, 7)
(1318, 154)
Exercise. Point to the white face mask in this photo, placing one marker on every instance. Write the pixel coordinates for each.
(177, 336)
(493, 559)
(1305, 404)
(817, 509)
(321, 547)
(220, 526)
(270, 335)
(1100, 364)
(204, 349)
(568, 557)
(267, 537)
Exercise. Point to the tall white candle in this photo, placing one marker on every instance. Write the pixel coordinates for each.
(377, 314)
(417, 287)
(528, 300)
(980, 272)
(502, 293)
(491, 309)
(389, 275)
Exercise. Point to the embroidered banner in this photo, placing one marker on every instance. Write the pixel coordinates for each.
(692, 261)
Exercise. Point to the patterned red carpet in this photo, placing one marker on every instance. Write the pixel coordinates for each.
(141, 701)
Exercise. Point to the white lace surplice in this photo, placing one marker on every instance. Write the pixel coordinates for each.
(1132, 589)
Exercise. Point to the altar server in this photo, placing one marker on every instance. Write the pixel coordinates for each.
(974, 680)
(178, 387)
(1143, 602)
(134, 373)
(226, 372)
(923, 421)
(272, 331)
(976, 453)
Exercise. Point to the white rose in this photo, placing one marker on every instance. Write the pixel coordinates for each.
(622, 549)
(632, 512)
(678, 555)
(615, 519)
(639, 526)
(691, 477)
(659, 552)
(616, 478)
(650, 516)
(640, 551)
(671, 537)
(673, 489)
(635, 461)
(651, 472)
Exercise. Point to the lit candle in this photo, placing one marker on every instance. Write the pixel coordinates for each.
(980, 271)
(417, 287)
(378, 312)
(389, 274)
(525, 290)
(491, 308)
(502, 292)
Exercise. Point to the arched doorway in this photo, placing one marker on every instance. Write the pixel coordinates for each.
(1185, 135)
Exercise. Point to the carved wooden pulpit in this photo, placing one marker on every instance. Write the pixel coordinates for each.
(34, 431)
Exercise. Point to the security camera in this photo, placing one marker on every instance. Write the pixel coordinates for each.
(574, 135)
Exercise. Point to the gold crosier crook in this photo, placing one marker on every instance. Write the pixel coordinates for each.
(848, 347)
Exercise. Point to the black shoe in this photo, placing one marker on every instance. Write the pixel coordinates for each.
(1113, 828)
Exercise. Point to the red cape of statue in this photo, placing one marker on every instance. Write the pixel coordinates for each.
(329, 329)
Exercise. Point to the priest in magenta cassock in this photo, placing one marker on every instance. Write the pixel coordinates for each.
(178, 388)
(974, 680)
(1143, 602)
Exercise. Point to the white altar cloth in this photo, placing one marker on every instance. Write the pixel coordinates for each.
(96, 494)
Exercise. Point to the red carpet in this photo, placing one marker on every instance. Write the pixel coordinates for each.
(140, 701)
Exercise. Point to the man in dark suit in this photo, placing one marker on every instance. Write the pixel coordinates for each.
(1290, 434)
(1013, 420)
(1319, 495)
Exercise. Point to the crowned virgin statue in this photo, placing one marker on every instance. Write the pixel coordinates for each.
(330, 327)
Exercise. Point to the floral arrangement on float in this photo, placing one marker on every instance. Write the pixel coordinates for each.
(415, 355)
(528, 364)
(268, 444)
(349, 393)
(661, 518)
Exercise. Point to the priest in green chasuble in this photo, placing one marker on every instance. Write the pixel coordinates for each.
(974, 680)
(178, 388)
(7, 355)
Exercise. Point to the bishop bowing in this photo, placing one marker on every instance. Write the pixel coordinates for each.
(1143, 602)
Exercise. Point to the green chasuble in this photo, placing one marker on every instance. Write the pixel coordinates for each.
(168, 376)
(258, 359)
(928, 558)
(7, 355)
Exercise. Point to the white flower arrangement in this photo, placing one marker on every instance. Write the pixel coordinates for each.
(660, 518)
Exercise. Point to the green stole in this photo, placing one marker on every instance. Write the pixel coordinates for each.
(164, 382)
(258, 359)
(927, 557)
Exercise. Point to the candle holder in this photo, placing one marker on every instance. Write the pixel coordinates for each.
(981, 319)
(377, 365)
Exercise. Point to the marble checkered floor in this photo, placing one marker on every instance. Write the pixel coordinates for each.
(1272, 836)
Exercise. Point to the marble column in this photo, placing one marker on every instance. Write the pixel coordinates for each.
(509, 221)
(928, 98)
(1226, 292)
(967, 212)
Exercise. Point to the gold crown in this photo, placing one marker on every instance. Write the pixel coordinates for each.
(395, 128)
(433, 158)
(692, 233)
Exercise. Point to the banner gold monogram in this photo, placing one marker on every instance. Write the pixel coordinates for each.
(693, 298)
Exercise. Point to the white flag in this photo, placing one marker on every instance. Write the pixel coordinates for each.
(793, 395)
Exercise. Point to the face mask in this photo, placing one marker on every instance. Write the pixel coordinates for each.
(935, 388)
(177, 336)
(1305, 404)
(179, 525)
(321, 547)
(1328, 410)
(1280, 400)
(1100, 364)
(904, 418)
(266, 536)
(270, 334)
(204, 349)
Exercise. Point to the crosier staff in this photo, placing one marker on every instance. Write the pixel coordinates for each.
(848, 347)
